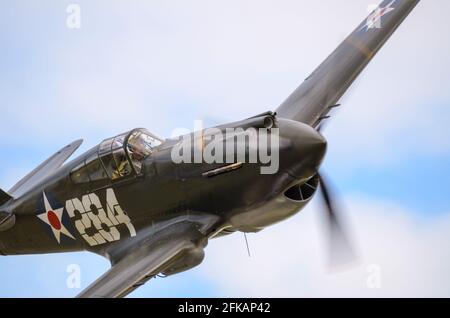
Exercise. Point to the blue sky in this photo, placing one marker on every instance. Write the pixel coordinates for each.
(161, 65)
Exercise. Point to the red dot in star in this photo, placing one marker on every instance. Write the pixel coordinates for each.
(54, 221)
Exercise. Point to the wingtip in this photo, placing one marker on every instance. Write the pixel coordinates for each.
(75, 144)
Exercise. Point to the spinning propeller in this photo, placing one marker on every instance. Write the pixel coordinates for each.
(340, 252)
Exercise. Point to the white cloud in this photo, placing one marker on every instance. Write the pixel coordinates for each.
(289, 260)
(161, 65)
(399, 105)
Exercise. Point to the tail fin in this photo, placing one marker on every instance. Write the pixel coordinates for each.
(326, 85)
(44, 169)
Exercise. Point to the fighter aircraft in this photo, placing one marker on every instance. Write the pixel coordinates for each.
(128, 200)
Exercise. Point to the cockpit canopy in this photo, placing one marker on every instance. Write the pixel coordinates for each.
(117, 157)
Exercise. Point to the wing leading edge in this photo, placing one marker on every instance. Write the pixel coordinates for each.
(325, 86)
(135, 269)
(169, 248)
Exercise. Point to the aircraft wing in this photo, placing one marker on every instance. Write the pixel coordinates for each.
(4, 197)
(171, 250)
(319, 93)
(43, 170)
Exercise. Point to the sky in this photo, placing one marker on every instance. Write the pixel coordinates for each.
(164, 64)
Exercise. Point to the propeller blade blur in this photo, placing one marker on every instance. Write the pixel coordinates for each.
(341, 252)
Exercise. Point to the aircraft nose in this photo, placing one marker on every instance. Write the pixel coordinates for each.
(308, 148)
(311, 143)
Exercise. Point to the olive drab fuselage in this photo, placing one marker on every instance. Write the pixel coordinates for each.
(105, 211)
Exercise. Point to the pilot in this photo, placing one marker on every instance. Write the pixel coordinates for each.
(137, 150)
(123, 166)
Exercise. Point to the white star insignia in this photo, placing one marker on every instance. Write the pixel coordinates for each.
(53, 218)
(373, 20)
